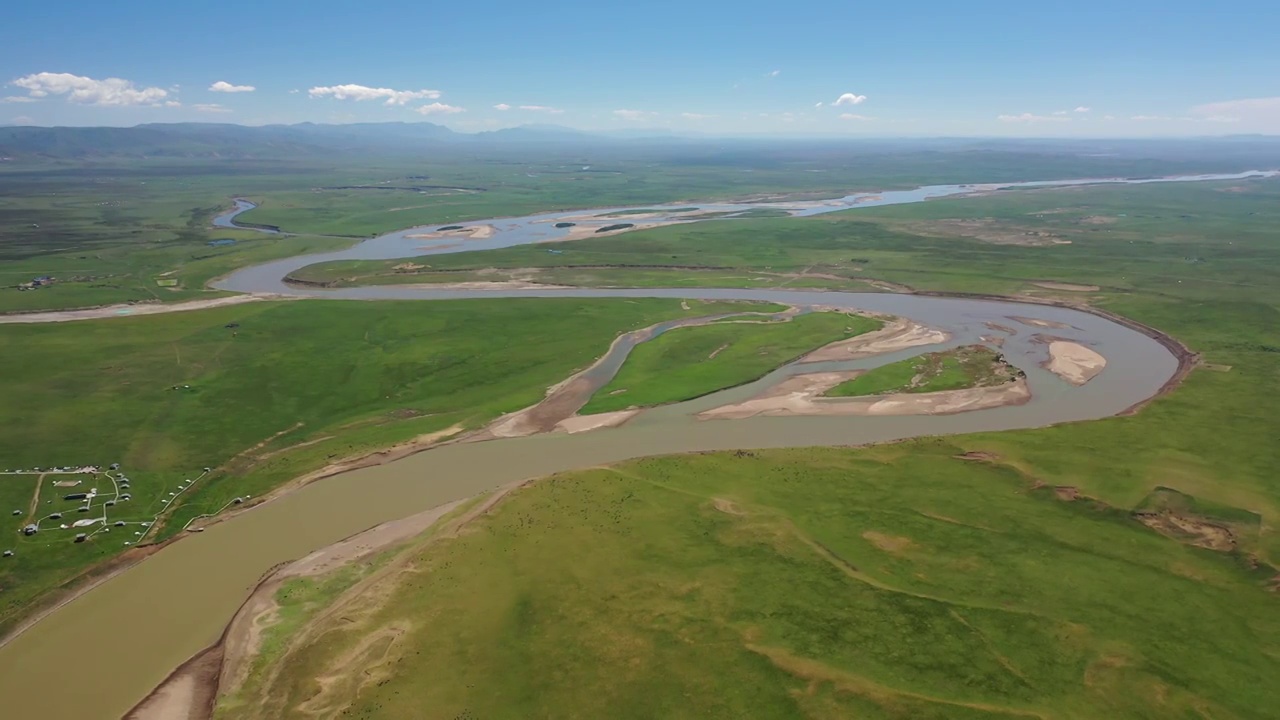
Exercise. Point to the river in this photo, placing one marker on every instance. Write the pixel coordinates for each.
(99, 654)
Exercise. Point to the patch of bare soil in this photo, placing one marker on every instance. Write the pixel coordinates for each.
(133, 309)
(978, 456)
(889, 543)
(728, 507)
(802, 395)
(1074, 362)
(1066, 492)
(989, 230)
(1190, 529)
(1067, 287)
(897, 334)
(1099, 220)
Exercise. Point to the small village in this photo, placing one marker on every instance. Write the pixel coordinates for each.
(88, 503)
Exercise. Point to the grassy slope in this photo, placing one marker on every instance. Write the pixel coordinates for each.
(948, 370)
(344, 377)
(678, 365)
(895, 582)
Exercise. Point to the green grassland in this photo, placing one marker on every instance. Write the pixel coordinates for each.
(899, 581)
(966, 367)
(686, 363)
(895, 582)
(289, 387)
(110, 230)
(1209, 241)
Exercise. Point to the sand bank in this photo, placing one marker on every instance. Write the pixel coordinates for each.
(802, 395)
(1074, 362)
(897, 334)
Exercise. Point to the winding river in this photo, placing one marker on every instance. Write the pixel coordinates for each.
(99, 654)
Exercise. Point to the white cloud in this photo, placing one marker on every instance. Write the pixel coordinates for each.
(502, 106)
(818, 105)
(294, 91)
(172, 103)
(850, 99)
(211, 108)
(1059, 112)
(633, 114)
(1083, 109)
(223, 86)
(773, 74)
(542, 108)
(1262, 112)
(88, 91)
(23, 120)
(19, 99)
(361, 93)
(1150, 118)
(1109, 117)
(1030, 118)
(436, 108)
(695, 116)
(852, 116)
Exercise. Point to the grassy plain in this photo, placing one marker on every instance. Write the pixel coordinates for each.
(893, 582)
(291, 387)
(899, 581)
(118, 230)
(972, 366)
(686, 363)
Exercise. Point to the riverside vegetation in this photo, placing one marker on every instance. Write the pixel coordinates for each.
(1116, 568)
(800, 576)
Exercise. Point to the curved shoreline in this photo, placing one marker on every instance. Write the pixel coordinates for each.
(1183, 357)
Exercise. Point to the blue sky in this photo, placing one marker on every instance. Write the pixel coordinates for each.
(1084, 68)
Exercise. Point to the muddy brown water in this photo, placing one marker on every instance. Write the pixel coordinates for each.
(99, 654)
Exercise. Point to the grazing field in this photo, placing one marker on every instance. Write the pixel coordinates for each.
(117, 229)
(1117, 568)
(966, 367)
(895, 582)
(686, 363)
(1211, 241)
(263, 393)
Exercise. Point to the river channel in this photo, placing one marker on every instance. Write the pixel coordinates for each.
(99, 654)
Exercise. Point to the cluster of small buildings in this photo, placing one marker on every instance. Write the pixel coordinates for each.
(42, 281)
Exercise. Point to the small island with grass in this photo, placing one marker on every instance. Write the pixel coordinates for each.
(690, 362)
(971, 366)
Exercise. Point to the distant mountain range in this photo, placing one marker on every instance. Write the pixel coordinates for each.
(232, 141)
(213, 140)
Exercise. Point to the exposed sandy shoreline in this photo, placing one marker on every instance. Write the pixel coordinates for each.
(471, 232)
(802, 395)
(191, 691)
(1074, 362)
(897, 334)
(127, 310)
